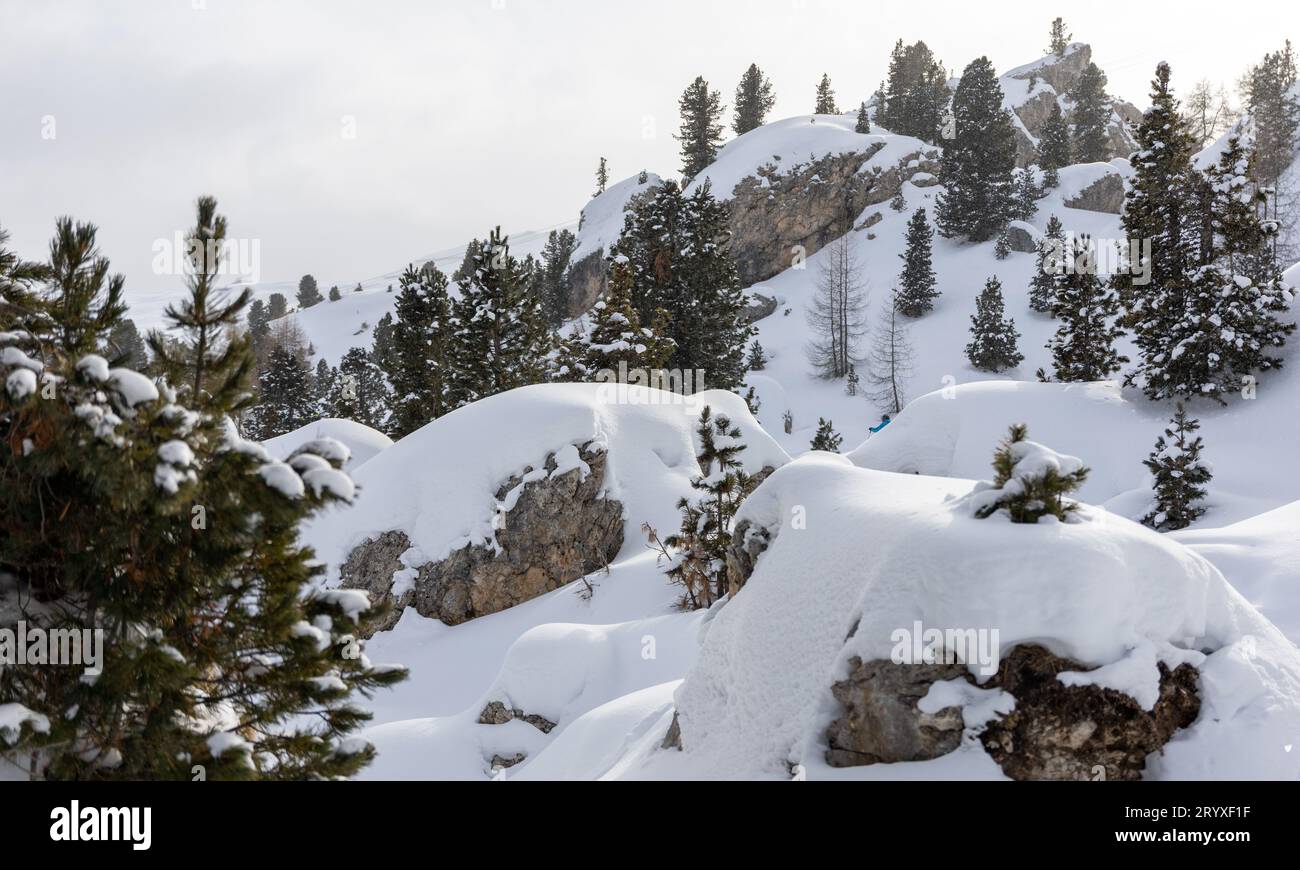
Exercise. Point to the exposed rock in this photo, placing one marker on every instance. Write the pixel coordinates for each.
(871, 220)
(497, 713)
(500, 762)
(880, 721)
(1055, 731)
(1082, 732)
(559, 528)
(1022, 238)
(1105, 194)
(587, 282)
(673, 739)
(759, 306)
(748, 542)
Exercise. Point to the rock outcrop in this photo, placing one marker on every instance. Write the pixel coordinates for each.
(497, 713)
(748, 542)
(1105, 194)
(1055, 731)
(552, 529)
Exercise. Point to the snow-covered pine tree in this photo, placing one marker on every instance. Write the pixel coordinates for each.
(1002, 247)
(1049, 268)
(1091, 115)
(825, 98)
(992, 346)
(360, 392)
(418, 364)
(499, 336)
(917, 94)
(826, 437)
(1059, 39)
(308, 292)
(553, 275)
(1054, 146)
(1083, 348)
(617, 335)
(285, 401)
(1027, 193)
(837, 315)
(754, 99)
(677, 247)
(179, 541)
(898, 202)
(976, 166)
(322, 383)
(1039, 480)
(757, 357)
(699, 564)
(1275, 110)
(602, 178)
(1179, 475)
(916, 283)
(864, 120)
(851, 381)
(701, 130)
(890, 359)
(335, 295)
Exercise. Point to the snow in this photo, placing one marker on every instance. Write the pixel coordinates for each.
(360, 442)
(602, 218)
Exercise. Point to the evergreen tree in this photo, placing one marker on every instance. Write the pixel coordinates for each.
(1025, 205)
(1059, 40)
(602, 178)
(259, 327)
(382, 347)
(1054, 146)
(826, 438)
(1275, 110)
(976, 165)
(917, 94)
(88, 302)
(179, 541)
(677, 247)
(890, 360)
(617, 335)
(754, 99)
(419, 364)
(1049, 268)
(1180, 477)
(992, 346)
(1083, 348)
(1091, 116)
(359, 391)
(308, 292)
(898, 202)
(335, 295)
(499, 335)
(553, 275)
(322, 385)
(285, 400)
(916, 293)
(701, 132)
(126, 346)
(701, 545)
(851, 381)
(757, 358)
(864, 120)
(277, 306)
(825, 98)
(1035, 489)
(1002, 247)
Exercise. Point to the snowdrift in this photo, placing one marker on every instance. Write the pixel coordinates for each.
(362, 441)
(882, 551)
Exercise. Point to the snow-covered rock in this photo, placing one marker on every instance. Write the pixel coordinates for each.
(362, 442)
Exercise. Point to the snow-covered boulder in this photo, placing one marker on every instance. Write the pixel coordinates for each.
(1093, 642)
(362, 442)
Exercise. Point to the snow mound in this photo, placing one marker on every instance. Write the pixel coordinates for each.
(881, 552)
(438, 484)
(602, 218)
(363, 443)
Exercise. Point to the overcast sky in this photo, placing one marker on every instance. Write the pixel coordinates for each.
(467, 113)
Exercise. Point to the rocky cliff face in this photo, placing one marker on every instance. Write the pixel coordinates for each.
(557, 528)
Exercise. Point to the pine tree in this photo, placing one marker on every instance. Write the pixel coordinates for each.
(1091, 116)
(826, 438)
(308, 292)
(701, 132)
(335, 295)
(277, 306)
(259, 329)
(1275, 110)
(617, 336)
(754, 99)
(992, 346)
(179, 541)
(322, 384)
(359, 392)
(1025, 205)
(1034, 489)
(898, 202)
(864, 120)
(916, 293)
(1083, 348)
(1180, 477)
(851, 381)
(757, 357)
(976, 165)
(701, 545)
(602, 178)
(837, 315)
(126, 346)
(1059, 40)
(1049, 268)
(500, 340)
(678, 248)
(1002, 247)
(890, 360)
(285, 399)
(88, 302)
(419, 362)
(1054, 146)
(825, 98)
(913, 102)
(553, 286)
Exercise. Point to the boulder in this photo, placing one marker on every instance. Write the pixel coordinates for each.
(559, 527)
(1022, 237)
(1105, 194)
(497, 713)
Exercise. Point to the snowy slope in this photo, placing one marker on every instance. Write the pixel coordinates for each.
(362, 441)
(602, 218)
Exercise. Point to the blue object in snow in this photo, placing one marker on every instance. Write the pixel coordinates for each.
(884, 421)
